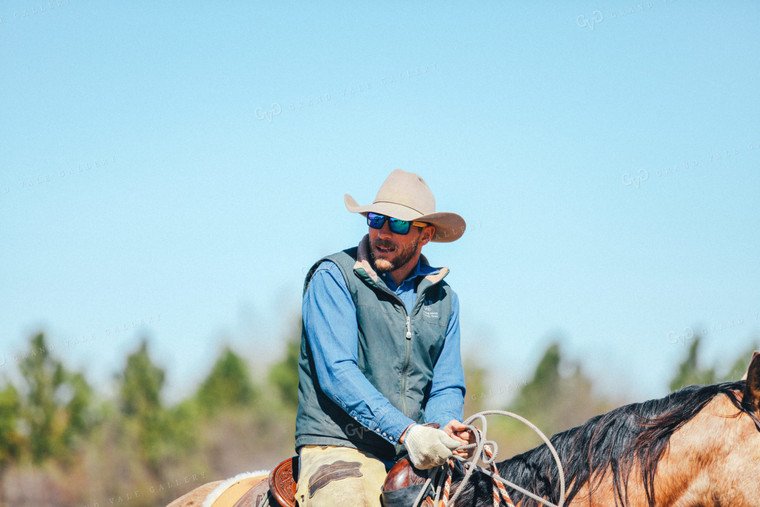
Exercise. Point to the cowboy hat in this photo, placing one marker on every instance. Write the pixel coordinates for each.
(406, 196)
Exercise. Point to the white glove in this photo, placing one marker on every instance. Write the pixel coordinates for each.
(428, 447)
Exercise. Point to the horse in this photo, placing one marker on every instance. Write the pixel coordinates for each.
(698, 446)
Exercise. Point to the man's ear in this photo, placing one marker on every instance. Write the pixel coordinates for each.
(427, 234)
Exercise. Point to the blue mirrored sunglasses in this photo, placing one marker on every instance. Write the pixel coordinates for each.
(396, 225)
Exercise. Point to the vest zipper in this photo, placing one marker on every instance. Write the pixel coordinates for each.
(406, 362)
(408, 335)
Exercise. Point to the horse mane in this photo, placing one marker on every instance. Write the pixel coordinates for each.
(634, 434)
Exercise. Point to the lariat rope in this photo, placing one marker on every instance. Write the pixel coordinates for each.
(486, 451)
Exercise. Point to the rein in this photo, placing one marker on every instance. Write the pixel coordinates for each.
(486, 451)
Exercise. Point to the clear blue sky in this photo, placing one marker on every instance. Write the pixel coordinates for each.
(183, 164)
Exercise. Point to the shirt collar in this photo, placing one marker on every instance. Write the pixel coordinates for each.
(421, 269)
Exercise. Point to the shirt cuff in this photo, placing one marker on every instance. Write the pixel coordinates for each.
(389, 425)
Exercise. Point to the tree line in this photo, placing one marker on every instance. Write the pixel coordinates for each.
(64, 443)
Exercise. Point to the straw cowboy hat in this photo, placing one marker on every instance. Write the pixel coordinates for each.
(406, 196)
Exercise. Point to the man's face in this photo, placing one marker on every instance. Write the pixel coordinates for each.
(391, 251)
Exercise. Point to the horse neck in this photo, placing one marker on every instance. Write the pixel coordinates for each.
(697, 469)
(698, 456)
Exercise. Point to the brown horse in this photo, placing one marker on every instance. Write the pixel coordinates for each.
(699, 446)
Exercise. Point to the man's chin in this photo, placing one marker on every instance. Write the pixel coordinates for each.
(383, 265)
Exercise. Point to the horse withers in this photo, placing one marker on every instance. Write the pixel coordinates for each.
(697, 446)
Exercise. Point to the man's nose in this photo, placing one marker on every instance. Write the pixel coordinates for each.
(385, 230)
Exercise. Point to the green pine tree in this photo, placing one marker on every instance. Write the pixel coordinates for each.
(141, 384)
(55, 406)
(228, 385)
(154, 427)
(11, 441)
(559, 395)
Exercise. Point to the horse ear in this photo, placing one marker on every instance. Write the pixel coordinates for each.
(754, 355)
(752, 387)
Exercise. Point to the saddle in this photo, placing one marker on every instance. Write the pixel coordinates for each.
(401, 487)
(277, 490)
(403, 484)
(282, 482)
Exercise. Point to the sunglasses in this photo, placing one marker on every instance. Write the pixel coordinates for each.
(396, 225)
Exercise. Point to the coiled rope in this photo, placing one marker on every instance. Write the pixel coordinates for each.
(486, 452)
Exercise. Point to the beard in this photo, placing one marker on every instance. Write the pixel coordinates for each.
(394, 258)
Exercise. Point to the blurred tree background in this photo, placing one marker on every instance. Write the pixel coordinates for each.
(64, 443)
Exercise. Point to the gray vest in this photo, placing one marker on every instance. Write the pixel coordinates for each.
(397, 353)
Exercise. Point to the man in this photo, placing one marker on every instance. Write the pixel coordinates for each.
(379, 352)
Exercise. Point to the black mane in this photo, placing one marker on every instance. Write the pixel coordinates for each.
(609, 443)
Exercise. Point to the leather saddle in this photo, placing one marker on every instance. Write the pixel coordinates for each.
(282, 482)
(403, 484)
(401, 487)
(278, 490)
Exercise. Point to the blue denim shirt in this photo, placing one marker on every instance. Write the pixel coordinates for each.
(329, 314)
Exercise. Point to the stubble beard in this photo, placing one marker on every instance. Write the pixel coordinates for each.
(395, 259)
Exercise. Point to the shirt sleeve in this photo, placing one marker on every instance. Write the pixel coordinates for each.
(329, 317)
(446, 400)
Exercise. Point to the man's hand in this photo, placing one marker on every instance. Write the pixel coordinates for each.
(458, 431)
(428, 447)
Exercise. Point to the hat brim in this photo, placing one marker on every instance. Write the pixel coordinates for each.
(448, 226)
